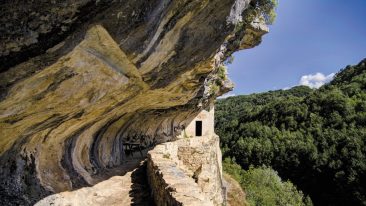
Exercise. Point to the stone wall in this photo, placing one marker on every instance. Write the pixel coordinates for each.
(186, 172)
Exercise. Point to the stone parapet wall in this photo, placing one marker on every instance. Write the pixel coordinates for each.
(186, 172)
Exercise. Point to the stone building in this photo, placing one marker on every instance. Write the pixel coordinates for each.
(202, 125)
(190, 166)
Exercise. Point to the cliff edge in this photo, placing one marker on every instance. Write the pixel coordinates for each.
(81, 78)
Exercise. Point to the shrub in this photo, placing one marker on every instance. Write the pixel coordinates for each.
(221, 72)
(267, 9)
(264, 187)
(214, 89)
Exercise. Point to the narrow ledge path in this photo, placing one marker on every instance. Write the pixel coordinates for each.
(128, 188)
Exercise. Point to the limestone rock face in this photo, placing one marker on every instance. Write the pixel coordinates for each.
(80, 77)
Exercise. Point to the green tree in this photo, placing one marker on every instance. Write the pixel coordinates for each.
(315, 138)
(264, 187)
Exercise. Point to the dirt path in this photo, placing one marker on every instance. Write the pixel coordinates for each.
(130, 189)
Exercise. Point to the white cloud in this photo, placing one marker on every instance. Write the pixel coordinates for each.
(315, 80)
(227, 95)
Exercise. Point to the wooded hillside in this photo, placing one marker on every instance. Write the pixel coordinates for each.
(315, 138)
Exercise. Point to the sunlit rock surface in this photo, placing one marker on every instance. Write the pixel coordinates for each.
(129, 189)
(79, 78)
(186, 172)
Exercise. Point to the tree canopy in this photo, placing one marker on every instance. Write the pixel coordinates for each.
(264, 187)
(315, 138)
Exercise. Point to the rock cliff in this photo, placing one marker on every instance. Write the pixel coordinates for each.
(78, 78)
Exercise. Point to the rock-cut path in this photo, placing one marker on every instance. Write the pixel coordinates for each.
(129, 189)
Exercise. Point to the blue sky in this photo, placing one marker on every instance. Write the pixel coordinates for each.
(308, 37)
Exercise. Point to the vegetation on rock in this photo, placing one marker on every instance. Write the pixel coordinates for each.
(315, 138)
(265, 9)
(268, 9)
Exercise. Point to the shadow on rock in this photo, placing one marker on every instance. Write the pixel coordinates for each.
(140, 191)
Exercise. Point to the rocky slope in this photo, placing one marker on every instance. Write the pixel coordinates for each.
(79, 77)
(235, 194)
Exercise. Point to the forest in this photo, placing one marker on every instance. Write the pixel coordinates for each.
(315, 138)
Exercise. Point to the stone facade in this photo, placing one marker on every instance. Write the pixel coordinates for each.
(206, 116)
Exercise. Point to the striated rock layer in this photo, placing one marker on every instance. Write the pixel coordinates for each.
(80, 77)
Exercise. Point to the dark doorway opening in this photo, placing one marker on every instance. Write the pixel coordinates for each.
(198, 128)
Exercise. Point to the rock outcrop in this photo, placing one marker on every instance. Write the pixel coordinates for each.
(79, 78)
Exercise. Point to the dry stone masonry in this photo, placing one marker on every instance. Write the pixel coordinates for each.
(186, 172)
